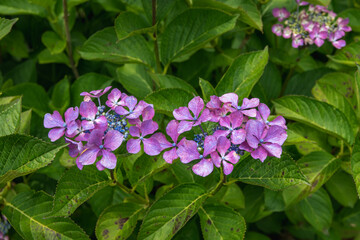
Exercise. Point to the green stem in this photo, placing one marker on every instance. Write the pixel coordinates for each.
(128, 191)
(220, 183)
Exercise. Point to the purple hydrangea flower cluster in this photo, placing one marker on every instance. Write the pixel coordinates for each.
(4, 228)
(98, 132)
(311, 25)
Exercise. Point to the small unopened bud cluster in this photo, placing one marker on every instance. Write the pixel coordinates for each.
(310, 25)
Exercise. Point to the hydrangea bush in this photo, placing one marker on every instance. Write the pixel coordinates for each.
(177, 119)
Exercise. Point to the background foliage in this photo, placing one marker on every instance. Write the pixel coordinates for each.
(165, 55)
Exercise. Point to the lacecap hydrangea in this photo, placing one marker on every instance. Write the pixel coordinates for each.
(94, 131)
(310, 24)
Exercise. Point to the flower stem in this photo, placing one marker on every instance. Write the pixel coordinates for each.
(68, 40)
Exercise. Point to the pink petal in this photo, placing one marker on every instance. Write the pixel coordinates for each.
(339, 44)
(130, 102)
(264, 111)
(223, 144)
(137, 122)
(148, 113)
(87, 125)
(250, 103)
(108, 160)
(187, 151)
(236, 119)
(113, 140)
(214, 102)
(151, 146)
(95, 138)
(56, 133)
(216, 159)
(185, 126)
(254, 130)
(172, 130)
(259, 153)
(113, 98)
(88, 157)
(78, 164)
(205, 117)
(148, 127)
(230, 98)
(54, 120)
(273, 149)
(182, 113)
(164, 143)
(245, 146)
(238, 136)
(225, 122)
(219, 133)
(99, 166)
(88, 110)
(228, 167)
(196, 105)
(121, 110)
(71, 129)
(134, 131)
(101, 123)
(279, 121)
(276, 12)
(170, 156)
(232, 157)
(276, 134)
(133, 145)
(319, 42)
(203, 168)
(250, 112)
(210, 144)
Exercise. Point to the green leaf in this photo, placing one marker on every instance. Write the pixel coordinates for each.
(25, 122)
(75, 187)
(350, 217)
(230, 195)
(60, 98)
(353, 15)
(21, 155)
(34, 97)
(171, 212)
(190, 30)
(316, 114)
(320, 2)
(19, 7)
(243, 74)
(45, 57)
(14, 43)
(166, 100)
(10, 110)
(327, 93)
(169, 81)
(220, 222)
(53, 42)
(128, 24)
(318, 167)
(23, 72)
(6, 25)
(357, 91)
(86, 83)
(274, 173)
(135, 79)
(342, 188)
(118, 221)
(274, 200)
(256, 236)
(355, 163)
(254, 204)
(317, 210)
(26, 214)
(348, 55)
(207, 89)
(104, 46)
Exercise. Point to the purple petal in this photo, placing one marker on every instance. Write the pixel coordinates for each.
(273, 149)
(78, 164)
(170, 156)
(148, 127)
(113, 140)
(121, 110)
(131, 102)
(53, 120)
(137, 122)
(95, 138)
(172, 130)
(187, 151)
(87, 125)
(214, 102)
(101, 123)
(276, 12)
(219, 133)
(151, 146)
(203, 168)
(205, 117)
(71, 129)
(164, 143)
(276, 134)
(223, 144)
(134, 131)
(277, 29)
(71, 114)
(210, 143)
(236, 119)
(196, 105)
(264, 111)
(88, 110)
(225, 122)
(182, 113)
(216, 159)
(232, 157)
(108, 160)
(279, 121)
(88, 157)
(228, 167)
(238, 136)
(259, 153)
(245, 146)
(254, 130)
(250, 112)
(185, 126)
(339, 44)
(133, 145)
(74, 147)
(113, 98)
(319, 42)
(230, 98)
(250, 103)
(148, 113)
(56, 133)
(99, 166)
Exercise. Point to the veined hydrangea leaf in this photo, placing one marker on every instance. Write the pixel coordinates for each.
(53, 42)
(191, 30)
(60, 98)
(21, 155)
(317, 210)
(320, 115)
(6, 25)
(10, 112)
(166, 100)
(274, 173)
(357, 90)
(18, 7)
(25, 122)
(318, 167)
(320, 2)
(172, 211)
(118, 221)
(220, 222)
(355, 163)
(128, 24)
(26, 213)
(348, 55)
(207, 89)
(169, 81)
(105, 46)
(327, 93)
(75, 187)
(243, 73)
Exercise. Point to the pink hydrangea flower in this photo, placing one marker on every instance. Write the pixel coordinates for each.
(263, 115)
(147, 114)
(116, 98)
(334, 39)
(232, 124)
(134, 109)
(318, 36)
(297, 41)
(96, 93)
(280, 13)
(221, 157)
(90, 121)
(277, 29)
(247, 107)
